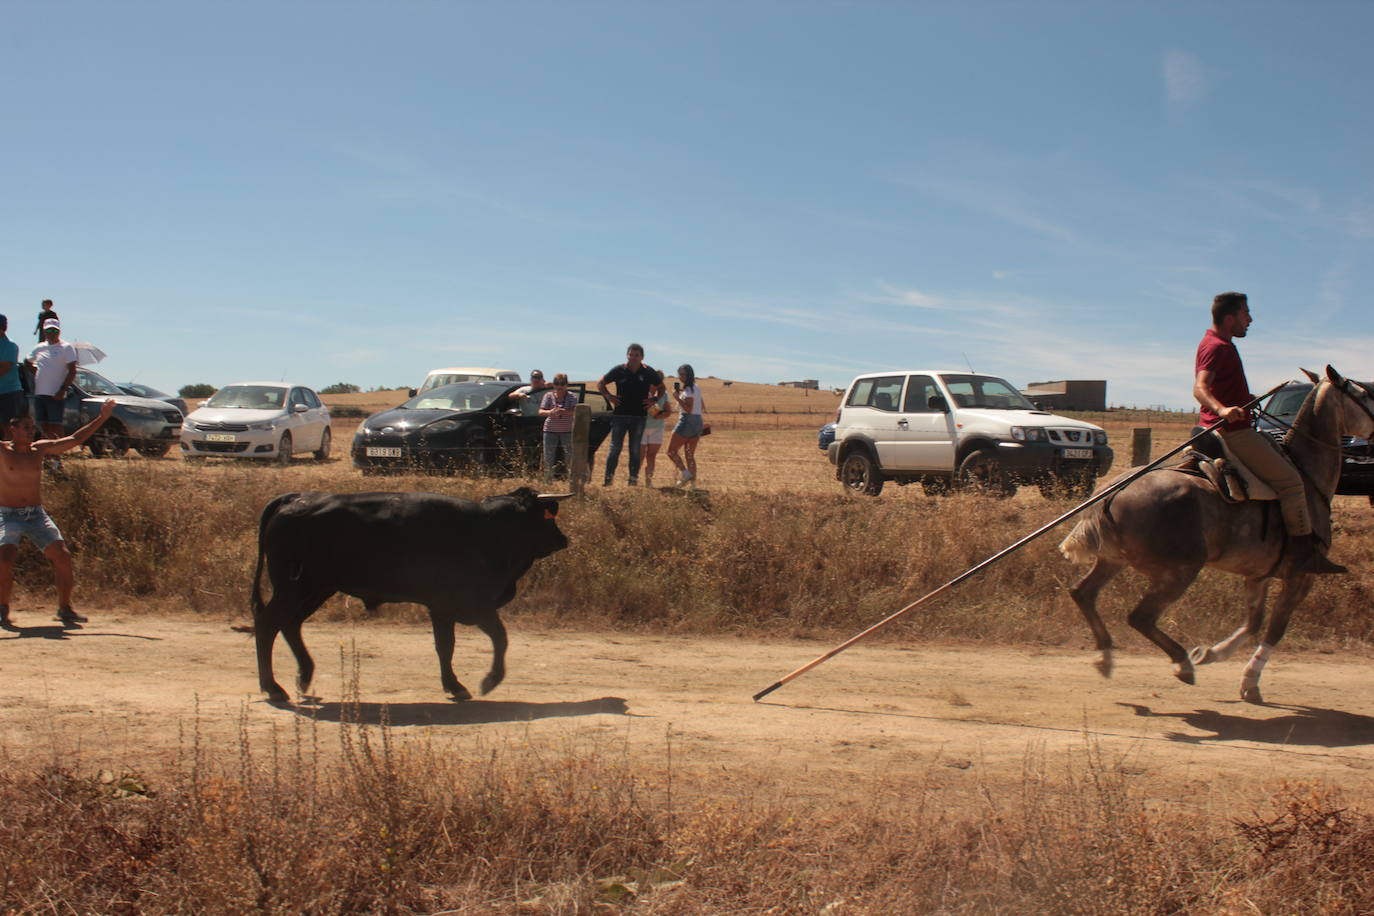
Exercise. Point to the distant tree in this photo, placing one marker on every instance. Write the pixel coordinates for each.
(341, 388)
(198, 390)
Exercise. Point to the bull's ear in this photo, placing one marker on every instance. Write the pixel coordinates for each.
(1335, 377)
(1313, 377)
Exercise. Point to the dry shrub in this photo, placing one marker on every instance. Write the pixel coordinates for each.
(780, 562)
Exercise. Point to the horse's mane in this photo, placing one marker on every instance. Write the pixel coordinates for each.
(1309, 404)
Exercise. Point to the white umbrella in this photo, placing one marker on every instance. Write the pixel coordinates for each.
(87, 354)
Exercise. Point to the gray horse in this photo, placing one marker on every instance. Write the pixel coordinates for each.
(1169, 525)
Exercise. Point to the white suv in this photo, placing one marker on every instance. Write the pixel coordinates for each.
(961, 429)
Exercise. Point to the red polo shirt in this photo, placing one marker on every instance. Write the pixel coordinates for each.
(1228, 377)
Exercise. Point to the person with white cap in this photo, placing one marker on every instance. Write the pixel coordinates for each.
(54, 370)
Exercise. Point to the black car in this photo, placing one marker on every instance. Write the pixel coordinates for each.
(147, 425)
(1357, 467)
(469, 425)
(140, 390)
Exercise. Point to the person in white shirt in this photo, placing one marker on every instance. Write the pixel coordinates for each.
(54, 370)
(687, 432)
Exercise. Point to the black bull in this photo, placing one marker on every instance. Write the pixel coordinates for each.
(459, 558)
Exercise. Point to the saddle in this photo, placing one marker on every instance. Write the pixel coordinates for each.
(1234, 482)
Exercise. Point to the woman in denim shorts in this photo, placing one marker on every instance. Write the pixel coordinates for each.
(687, 433)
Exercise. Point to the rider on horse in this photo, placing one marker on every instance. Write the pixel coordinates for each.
(1220, 387)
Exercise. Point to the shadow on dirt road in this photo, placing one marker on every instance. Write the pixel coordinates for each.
(1306, 725)
(474, 712)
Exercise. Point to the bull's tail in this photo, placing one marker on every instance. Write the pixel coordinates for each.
(1084, 542)
(269, 512)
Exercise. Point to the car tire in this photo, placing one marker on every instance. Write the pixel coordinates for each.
(322, 453)
(284, 449)
(154, 449)
(859, 473)
(982, 472)
(108, 441)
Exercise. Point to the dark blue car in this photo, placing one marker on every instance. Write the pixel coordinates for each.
(826, 436)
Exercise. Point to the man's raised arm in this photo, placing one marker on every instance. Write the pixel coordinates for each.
(78, 438)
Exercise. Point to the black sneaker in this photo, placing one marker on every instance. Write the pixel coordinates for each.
(5, 621)
(67, 615)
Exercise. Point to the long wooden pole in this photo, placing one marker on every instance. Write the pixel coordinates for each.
(1093, 500)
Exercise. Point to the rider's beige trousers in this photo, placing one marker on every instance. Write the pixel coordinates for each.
(1262, 455)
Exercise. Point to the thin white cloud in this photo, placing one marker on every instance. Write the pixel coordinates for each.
(1184, 82)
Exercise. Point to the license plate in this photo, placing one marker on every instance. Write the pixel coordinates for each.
(382, 451)
(220, 437)
(1078, 453)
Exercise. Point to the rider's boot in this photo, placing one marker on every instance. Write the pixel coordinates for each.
(1303, 554)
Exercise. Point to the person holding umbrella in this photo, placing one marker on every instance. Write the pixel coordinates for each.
(54, 370)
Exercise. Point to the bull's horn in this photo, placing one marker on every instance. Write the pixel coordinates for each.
(553, 496)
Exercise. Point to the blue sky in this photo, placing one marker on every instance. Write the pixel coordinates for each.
(360, 192)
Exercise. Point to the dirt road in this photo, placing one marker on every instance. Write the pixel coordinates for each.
(130, 687)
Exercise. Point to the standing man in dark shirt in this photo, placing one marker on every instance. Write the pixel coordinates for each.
(630, 408)
(1220, 387)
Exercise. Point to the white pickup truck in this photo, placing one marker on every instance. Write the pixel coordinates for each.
(960, 429)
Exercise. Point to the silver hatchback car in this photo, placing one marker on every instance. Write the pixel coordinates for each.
(266, 420)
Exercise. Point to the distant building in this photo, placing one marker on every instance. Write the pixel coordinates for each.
(813, 384)
(1075, 394)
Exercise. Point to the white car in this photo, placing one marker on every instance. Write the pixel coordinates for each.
(455, 374)
(960, 429)
(272, 420)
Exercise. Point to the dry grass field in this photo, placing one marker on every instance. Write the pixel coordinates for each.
(208, 811)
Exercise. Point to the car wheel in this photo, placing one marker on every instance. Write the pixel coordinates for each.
(859, 474)
(108, 441)
(322, 453)
(981, 472)
(284, 449)
(154, 449)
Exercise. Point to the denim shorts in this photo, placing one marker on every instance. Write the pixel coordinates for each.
(47, 409)
(30, 522)
(688, 426)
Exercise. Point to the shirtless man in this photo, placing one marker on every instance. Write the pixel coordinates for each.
(22, 514)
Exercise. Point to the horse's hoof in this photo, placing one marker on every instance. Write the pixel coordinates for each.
(489, 684)
(1252, 695)
(1185, 675)
(1105, 665)
(460, 694)
(1202, 655)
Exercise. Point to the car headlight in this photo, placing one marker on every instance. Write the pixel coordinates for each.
(1028, 434)
(1099, 437)
(442, 426)
(266, 424)
(146, 413)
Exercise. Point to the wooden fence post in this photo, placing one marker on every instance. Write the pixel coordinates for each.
(578, 472)
(1140, 446)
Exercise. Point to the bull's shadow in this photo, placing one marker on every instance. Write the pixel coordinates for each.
(1304, 725)
(473, 712)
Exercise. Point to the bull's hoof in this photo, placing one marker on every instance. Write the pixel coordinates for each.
(1202, 655)
(460, 693)
(1105, 665)
(1185, 674)
(1252, 695)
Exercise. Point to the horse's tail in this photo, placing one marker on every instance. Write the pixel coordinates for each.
(1085, 540)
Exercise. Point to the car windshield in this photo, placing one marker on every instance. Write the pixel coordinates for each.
(451, 378)
(1288, 401)
(143, 391)
(94, 384)
(466, 396)
(985, 391)
(251, 397)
